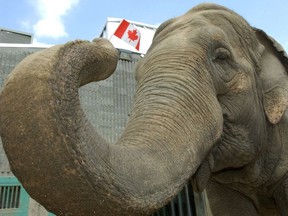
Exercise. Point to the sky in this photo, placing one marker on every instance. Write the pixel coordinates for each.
(59, 21)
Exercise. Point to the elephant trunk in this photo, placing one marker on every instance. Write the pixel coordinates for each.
(67, 167)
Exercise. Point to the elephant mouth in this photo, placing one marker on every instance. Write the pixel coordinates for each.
(201, 177)
(203, 174)
(229, 175)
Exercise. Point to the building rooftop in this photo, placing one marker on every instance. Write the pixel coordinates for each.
(12, 36)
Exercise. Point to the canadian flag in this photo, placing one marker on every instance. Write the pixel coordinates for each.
(128, 33)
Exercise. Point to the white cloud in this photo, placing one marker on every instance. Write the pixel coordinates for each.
(26, 25)
(50, 27)
(51, 14)
(40, 44)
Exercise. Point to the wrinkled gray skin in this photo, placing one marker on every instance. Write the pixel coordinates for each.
(210, 104)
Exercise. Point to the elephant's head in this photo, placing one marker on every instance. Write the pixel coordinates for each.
(201, 107)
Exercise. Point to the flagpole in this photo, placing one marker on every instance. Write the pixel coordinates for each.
(110, 37)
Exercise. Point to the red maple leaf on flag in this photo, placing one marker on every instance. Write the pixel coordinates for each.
(132, 35)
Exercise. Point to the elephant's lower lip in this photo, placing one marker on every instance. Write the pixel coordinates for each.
(199, 182)
(228, 175)
(227, 169)
(201, 177)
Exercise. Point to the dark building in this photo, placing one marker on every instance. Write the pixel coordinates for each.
(11, 36)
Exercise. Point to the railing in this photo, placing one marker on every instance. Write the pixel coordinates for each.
(14, 200)
(182, 205)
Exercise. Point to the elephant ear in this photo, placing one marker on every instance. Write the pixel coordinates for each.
(274, 68)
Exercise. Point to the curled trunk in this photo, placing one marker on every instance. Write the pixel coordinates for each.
(67, 167)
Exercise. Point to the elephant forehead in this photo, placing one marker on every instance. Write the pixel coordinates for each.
(186, 29)
(223, 20)
(207, 22)
(214, 12)
(226, 26)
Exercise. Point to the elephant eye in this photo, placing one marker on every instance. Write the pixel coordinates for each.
(224, 65)
(221, 54)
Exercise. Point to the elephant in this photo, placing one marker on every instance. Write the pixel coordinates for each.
(210, 107)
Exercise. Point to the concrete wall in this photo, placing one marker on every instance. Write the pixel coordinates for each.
(35, 209)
